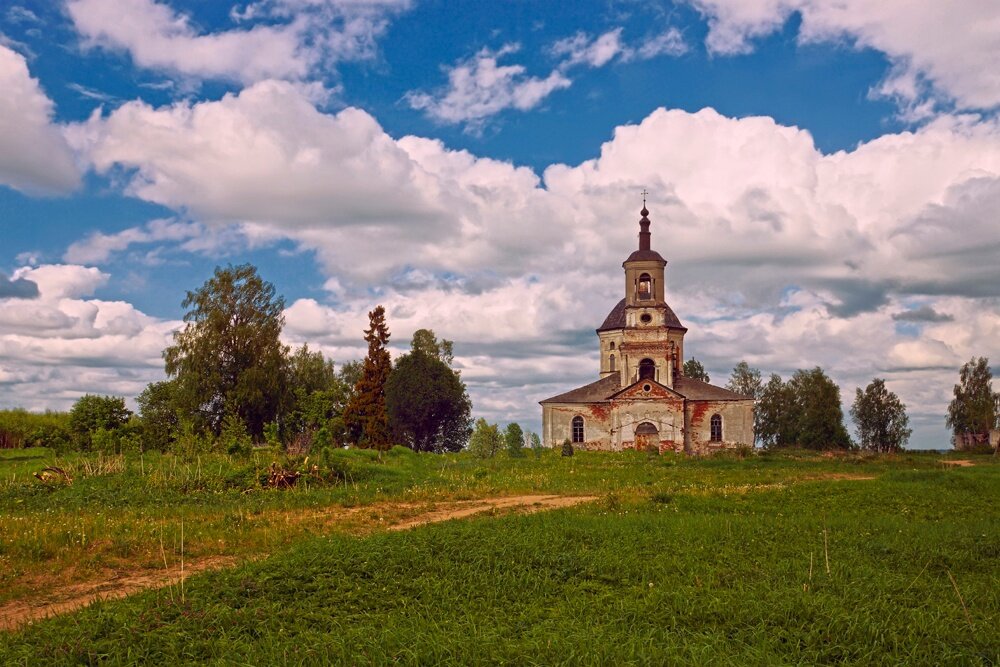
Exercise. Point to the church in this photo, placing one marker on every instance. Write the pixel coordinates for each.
(642, 398)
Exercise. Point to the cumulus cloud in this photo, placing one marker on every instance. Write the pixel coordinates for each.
(480, 87)
(779, 253)
(922, 314)
(20, 288)
(950, 47)
(287, 39)
(34, 157)
(98, 247)
(64, 343)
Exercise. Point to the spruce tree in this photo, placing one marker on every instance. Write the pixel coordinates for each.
(365, 416)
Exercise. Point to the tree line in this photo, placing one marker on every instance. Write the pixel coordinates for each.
(805, 410)
(231, 383)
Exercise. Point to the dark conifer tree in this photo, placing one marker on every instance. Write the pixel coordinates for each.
(365, 416)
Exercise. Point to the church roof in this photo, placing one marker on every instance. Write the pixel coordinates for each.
(616, 318)
(644, 256)
(595, 392)
(605, 388)
(696, 390)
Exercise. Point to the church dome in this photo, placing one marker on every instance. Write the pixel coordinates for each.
(616, 318)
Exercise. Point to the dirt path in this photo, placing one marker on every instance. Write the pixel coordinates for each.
(17, 613)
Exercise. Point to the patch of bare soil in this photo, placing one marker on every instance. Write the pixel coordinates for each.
(960, 463)
(837, 476)
(17, 613)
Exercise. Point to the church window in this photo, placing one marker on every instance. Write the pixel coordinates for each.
(611, 362)
(645, 286)
(647, 370)
(612, 345)
(646, 318)
(716, 424)
(578, 429)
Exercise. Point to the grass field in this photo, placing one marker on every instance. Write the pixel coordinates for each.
(788, 558)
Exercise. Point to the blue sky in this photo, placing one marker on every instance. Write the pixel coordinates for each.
(824, 181)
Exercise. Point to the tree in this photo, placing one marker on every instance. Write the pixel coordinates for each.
(365, 416)
(513, 438)
(158, 410)
(91, 414)
(880, 418)
(429, 409)
(425, 341)
(694, 370)
(819, 418)
(229, 357)
(485, 441)
(319, 395)
(745, 380)
(972, 413)
(536, 443)
(774, 416)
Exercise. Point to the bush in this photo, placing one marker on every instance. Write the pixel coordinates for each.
(485, 441)
(92, 413)
(513, 438)
(567, 448)
(234, 438)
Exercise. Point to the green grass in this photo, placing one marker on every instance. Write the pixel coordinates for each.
(682, 560)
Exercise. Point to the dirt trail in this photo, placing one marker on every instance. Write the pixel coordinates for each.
(961, 463)
(17, 613)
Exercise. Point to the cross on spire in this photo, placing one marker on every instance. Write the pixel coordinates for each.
(644, 193)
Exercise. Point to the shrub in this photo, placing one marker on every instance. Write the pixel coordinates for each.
(567, 448)
(234, 437)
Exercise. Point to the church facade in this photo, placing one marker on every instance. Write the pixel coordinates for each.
(642, 398)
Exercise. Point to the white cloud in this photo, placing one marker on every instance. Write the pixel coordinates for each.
(480, 87)
(779, 253)
(63, 344)
(581, 49)
(289, 39)
(950, 46)
(34, 157)
(98, 247)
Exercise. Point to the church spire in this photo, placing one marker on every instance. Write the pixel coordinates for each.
(644, 227)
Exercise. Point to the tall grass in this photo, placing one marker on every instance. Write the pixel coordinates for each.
(706, 564)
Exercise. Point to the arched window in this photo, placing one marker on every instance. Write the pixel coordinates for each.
(611, 363)
(645, 286)
(578, 429)
(716, 428)
(647, 370)
(612, 345)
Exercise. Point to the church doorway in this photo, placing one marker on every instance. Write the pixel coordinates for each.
(647, 436)
(647, 369)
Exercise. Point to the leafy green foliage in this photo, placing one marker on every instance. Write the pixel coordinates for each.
(819, 417)
(776, 414)
(319, 397)
(567, 448)
(91, 413)
(803, 412)
(536, 444)
(747, 381)
(158, 409)
(429, 409)
(880, 418)
(425, 341)
(365, 416)
(972, 412)
(486, 441)
(229, 357)
(234, 438)
(693, 369)
(513, 439)
(20, 428)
